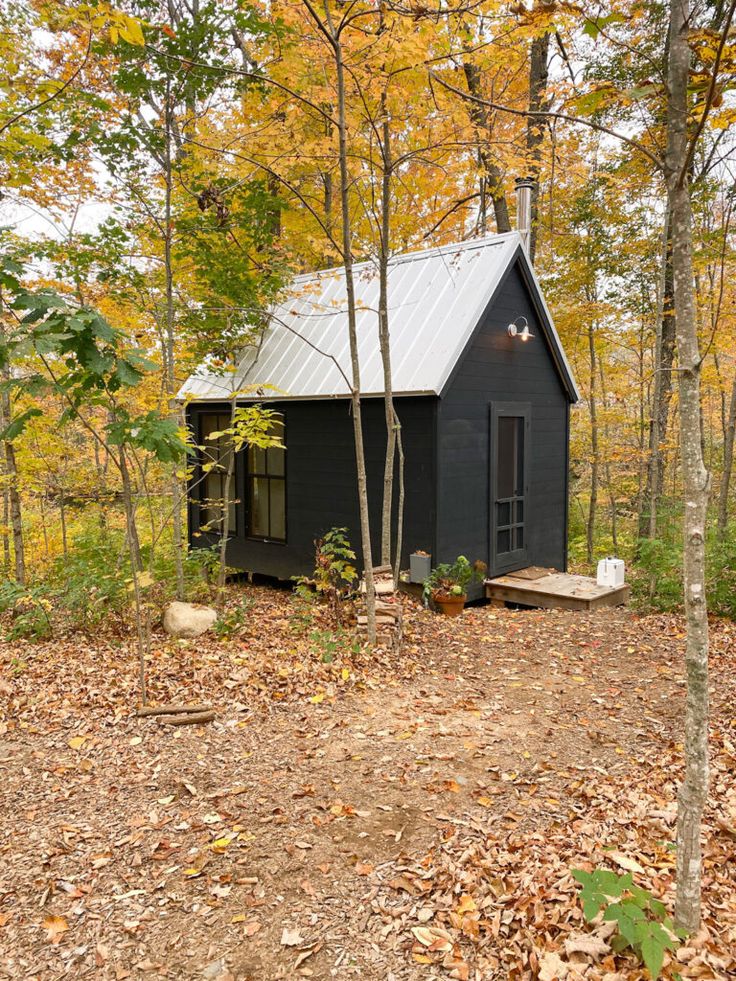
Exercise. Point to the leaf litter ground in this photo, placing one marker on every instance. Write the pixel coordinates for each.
(376, 817)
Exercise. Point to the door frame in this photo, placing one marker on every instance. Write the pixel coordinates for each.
(520, 558)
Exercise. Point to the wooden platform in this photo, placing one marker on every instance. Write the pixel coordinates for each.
(554, 590)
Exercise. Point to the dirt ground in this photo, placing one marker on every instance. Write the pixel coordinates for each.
(335, 811)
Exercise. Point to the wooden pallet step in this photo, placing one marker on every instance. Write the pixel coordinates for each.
(381, 588)
(389, 611)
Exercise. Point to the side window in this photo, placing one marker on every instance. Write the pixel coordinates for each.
(216, 456)
(266, 490)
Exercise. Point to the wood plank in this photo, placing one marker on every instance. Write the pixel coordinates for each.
(531, 573)
(557, 590)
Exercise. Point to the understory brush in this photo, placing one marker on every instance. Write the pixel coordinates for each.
(92, 584)
(654, 565)
(660, 564)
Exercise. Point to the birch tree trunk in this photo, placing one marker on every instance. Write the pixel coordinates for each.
(385, 343)
(694, 787)
(170, 341)
(594, 462)
(13, 494)
(5, 519)
(225, 525)
(333, 37)
(730, 430)
(136, 566)
(664, 355)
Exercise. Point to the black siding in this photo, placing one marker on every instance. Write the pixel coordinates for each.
(500, 368)
(321, 486)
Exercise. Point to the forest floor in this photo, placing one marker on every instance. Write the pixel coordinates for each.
(377, 817)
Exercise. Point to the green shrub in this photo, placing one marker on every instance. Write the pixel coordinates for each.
(335, 576)
(328, 644)
(89, 582)
(29, 608)
(642, 921)
(232, 621)
(661, 559)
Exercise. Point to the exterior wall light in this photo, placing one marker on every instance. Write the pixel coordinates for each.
(520, 330)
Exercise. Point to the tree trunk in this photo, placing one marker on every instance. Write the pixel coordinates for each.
(402, 494)
(13, 492)
(594, 462)
(664, 355)
(131, 527)
(385, 342)
(136, 566)
(694, 787)
(225, 526)
(365, 528)
(6, 524)
(607, 462)
(481, 119)
(62, 520)
(730, 430)
(538, 75)
(176, 483)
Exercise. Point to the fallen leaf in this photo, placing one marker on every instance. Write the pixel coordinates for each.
(303, 956)
(466, 904)
(552, 967)
(55, 926)
(586, 943)
(630, 864)
(291, 937)
(433, 937)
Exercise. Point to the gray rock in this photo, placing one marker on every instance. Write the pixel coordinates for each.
(188, 619)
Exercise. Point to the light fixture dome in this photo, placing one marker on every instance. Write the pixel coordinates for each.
(516, 329)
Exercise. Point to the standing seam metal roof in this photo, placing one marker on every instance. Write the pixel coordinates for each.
(436, 299)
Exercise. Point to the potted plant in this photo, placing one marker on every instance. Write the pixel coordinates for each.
(446, 585)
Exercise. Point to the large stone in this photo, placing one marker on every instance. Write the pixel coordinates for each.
(188, 619)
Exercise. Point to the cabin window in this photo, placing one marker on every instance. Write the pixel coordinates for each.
(266, 489)
(216, 456)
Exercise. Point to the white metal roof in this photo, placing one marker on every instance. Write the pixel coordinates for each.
(436, 299)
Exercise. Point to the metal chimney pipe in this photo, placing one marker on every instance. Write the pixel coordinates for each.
(524, 186)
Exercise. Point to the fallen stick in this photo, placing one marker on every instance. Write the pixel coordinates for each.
(189, 719)
(172, 709)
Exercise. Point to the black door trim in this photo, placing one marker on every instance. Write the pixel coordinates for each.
(518, 559)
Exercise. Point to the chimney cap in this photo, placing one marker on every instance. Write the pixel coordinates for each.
(524, 182)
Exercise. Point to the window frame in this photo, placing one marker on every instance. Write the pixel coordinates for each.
(203, 458)
(249, 475)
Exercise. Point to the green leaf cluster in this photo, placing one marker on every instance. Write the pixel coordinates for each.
(85, 360)
(453, 578)
(643, 922)
(335, 574)
(252, 425)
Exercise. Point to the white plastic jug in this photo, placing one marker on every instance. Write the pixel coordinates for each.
(611, 572)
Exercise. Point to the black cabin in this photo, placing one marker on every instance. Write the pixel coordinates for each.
(482, 388)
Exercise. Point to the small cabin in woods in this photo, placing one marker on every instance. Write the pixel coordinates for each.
(482, 389)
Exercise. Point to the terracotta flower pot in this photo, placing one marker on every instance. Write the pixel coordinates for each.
(449, 604)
